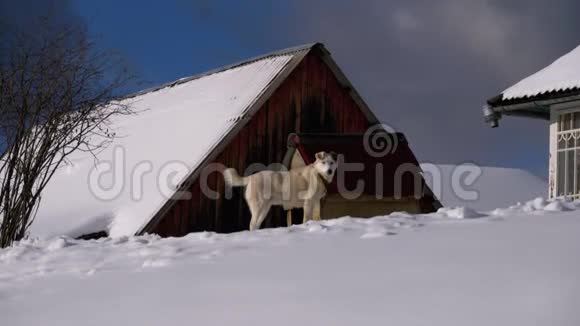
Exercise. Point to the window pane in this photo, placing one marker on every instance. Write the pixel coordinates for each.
(576, 120)
(560, 172)
(577, 172)
(565, 122)
(561, 142)
(570, 141)
(570, 177)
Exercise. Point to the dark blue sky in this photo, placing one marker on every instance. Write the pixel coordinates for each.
(166, 40)
(425, 67)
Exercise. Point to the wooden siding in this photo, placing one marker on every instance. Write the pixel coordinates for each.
(310, 100)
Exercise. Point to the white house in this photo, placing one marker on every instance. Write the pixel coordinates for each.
(553, 94)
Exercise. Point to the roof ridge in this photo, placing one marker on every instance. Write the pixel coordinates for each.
(280, 52)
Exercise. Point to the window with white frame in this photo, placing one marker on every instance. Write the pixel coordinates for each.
(568, 157)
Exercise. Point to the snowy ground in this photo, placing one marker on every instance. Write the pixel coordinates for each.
(517, 266)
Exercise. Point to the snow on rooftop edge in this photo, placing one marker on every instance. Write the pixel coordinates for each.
(174, 129)
(563, 74)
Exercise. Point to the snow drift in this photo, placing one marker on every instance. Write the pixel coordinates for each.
(510, 266)
(494, 187)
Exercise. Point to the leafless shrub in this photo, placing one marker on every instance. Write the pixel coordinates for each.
(57, 96)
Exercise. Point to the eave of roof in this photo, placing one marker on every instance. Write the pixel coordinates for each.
(558, 81)
(553, 96)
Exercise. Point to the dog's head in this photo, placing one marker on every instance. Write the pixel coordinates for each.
(326, 164)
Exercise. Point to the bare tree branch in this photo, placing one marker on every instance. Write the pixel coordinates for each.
(57, 96)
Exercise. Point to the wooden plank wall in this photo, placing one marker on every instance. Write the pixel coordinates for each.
(309, 100)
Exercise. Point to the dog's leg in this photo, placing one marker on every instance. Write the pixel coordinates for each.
(253, 223)
(254, 210)
(308, 208)
(259, 211)
(316, 211)
(262, 214)
(289, 217)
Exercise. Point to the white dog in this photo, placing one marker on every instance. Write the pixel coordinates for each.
(301, 187)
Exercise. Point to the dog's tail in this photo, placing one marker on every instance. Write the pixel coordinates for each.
(233, 179)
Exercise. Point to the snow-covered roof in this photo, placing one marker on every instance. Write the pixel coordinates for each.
(176, 126)
(562, 75)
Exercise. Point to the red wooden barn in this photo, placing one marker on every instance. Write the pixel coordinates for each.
(234, 116)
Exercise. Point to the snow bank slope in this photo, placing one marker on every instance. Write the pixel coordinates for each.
(495, 187)
(517, 266)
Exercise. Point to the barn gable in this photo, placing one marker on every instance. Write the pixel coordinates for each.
(235, 116)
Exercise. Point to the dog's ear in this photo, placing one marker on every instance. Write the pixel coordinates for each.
(320, 155)
(333, 155)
